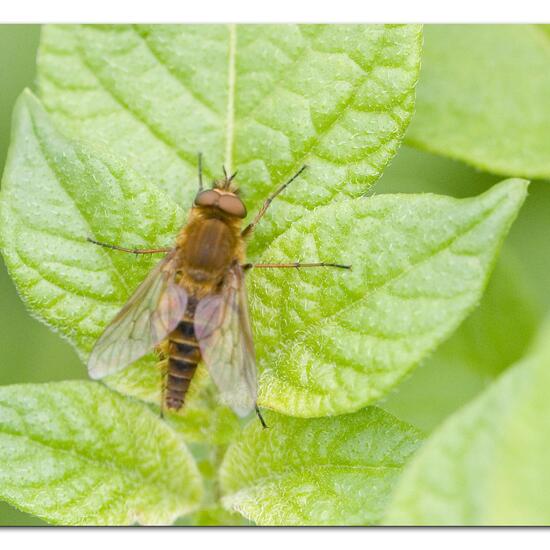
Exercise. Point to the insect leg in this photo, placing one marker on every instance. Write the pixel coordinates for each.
(250, 227)
(264, 425)
(131, 250)
(296, 265)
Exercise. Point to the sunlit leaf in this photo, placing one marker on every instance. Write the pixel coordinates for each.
(75, 453)
(488, 463)
(263, 99)
(326, 471)
(481, 348)
(333, 341)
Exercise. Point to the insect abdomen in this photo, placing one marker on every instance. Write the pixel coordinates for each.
(183, 357)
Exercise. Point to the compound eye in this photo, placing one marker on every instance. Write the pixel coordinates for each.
(207, 198)
(232, 205)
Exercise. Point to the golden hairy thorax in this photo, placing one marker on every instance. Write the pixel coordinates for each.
(208, 244)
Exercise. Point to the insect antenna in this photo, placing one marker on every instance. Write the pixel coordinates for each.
(200, 172)
(226, 178)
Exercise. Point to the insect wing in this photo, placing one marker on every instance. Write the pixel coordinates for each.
(150, 314)
(222, 328)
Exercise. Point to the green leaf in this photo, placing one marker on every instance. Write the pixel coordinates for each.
(422, 267)
(333, 342)
(55, 194)
(481, 348)
(263, 99)
(204, 419)
(75, 453)
(483, 97)
(326, 471)
(414, 171)
(213, 516)
(488, 463)
(46, 214)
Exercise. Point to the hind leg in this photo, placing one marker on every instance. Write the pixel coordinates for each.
(261, 418)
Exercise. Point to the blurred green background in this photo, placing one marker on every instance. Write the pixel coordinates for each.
(30, 352)
(39, 354)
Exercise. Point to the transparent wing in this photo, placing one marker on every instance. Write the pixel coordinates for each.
(222, 328)
(150, 314)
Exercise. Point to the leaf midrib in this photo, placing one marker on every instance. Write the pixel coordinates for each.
(397, 276)
(289, 472)
(231, 84)
(324, 321)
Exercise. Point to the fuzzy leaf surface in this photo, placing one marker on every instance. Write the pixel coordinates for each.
(263, 99)
(488, 463)
(55, 194)
(480, 349)
(475, 355)
(421, 267)
(76, 453)
(325, 471)
(333, 341)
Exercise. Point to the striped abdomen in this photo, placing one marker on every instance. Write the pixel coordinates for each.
(183, 356)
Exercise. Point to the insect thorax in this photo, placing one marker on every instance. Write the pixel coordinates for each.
(209, 245)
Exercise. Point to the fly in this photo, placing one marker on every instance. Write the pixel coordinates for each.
(193, 305)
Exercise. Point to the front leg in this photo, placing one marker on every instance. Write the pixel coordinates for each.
(247, 231)
(131, 250)
(295, 265)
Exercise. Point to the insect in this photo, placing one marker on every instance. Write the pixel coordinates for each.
(193, 306)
